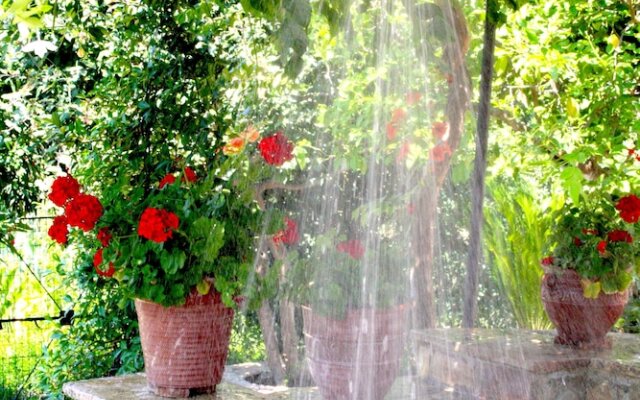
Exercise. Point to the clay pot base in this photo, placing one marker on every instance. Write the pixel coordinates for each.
(181, 392)
(604, 343)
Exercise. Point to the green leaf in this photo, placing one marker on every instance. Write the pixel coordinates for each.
(208, 238)
(172, 262)
(614, 283)
(572, 183)
(18, 6)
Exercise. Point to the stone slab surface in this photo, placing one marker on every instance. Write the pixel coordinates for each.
(236, 387)
(528, 365)
(134, 386)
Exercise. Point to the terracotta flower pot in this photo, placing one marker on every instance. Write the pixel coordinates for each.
(579, 321)
(185, 347)
(358, 357)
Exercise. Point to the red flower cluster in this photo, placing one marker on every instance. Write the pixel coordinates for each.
(157, 224)
(97, 261)
(397, 116)
(289, 235)
(439, 129)
(80, 210)
(602, 247)
(619, 236)
(104, 236)
(441, 152)
(352, 247)
(63, 189)
(547, 261)
(189, 175)
(629, 207)
(168, 179)
(59, 230)
(276, 149)
(83, 211)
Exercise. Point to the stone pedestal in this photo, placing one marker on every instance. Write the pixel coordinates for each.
(518, 364)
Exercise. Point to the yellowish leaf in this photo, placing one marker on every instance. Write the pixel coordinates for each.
(572, 108)
(614, 40)
(590, 290)
(203, 287)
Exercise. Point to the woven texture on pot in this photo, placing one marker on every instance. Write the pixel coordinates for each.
(357, 357)
(579, 321)
(184, 347)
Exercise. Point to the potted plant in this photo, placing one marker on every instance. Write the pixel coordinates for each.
(593, 258)
(182, 247)
(353, 288)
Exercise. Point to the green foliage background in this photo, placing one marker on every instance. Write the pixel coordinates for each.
(116, 89)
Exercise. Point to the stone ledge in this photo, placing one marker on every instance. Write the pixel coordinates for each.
(234, 386)
(527, 365)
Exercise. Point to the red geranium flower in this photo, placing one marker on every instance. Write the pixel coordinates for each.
(413, 97)
(289, 235)
(63, 189)
(441, 152)
(577, 241)
(391, 131)
(439, 129)
(83, 211)
(97, 261)
(629, 207)
(403, 152)
(602, 246)
(189, 175)
(157, 224)
(59, 230)
(276, 149)
(547, 261)
(168, 179)
(398, 115)
(619, 235)
(104, 236)
(352, 247)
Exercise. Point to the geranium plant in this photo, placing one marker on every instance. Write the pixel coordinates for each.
(334, 272)
(597, 236)
(190, 229)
